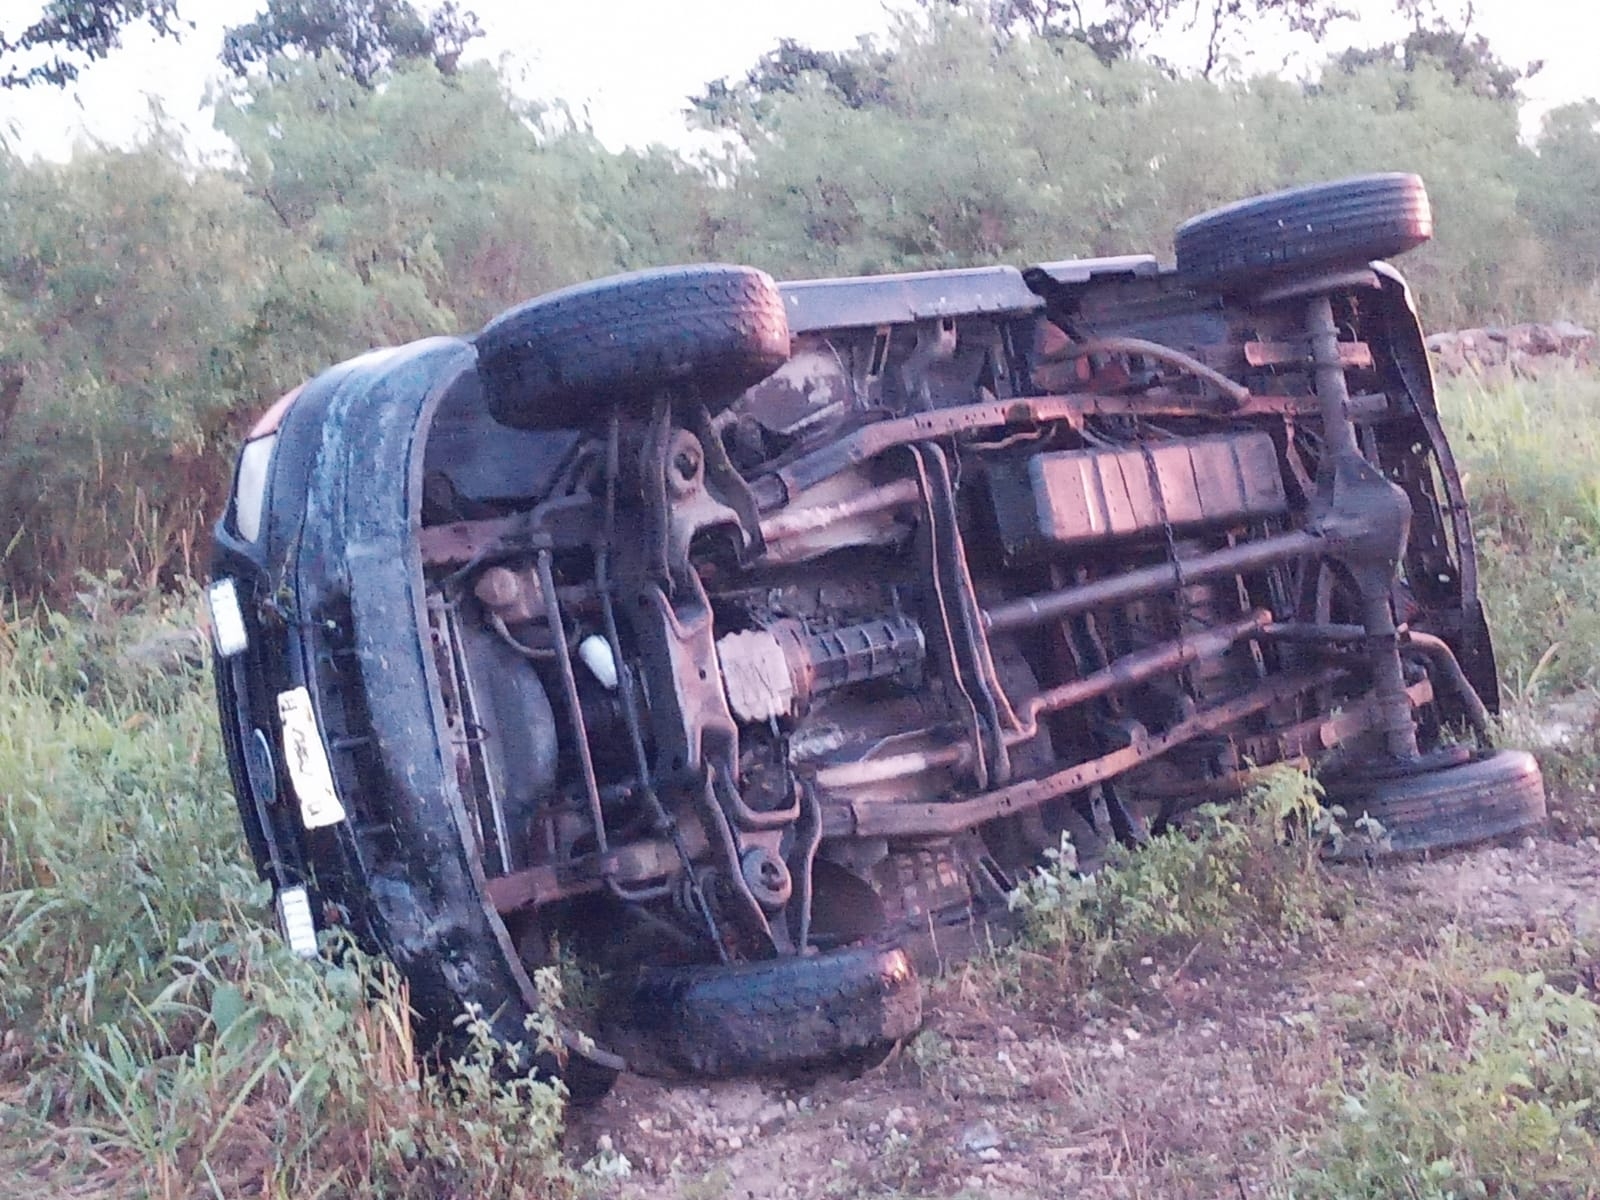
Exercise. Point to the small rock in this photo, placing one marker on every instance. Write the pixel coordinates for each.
(990, 1154)
(978, 1137)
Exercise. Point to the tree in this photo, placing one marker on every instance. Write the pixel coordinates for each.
(70, 34)
(1558, 194)
(1448, 43)
(856, 77)
(366, 36)
(1123, 29)
(1114, 30)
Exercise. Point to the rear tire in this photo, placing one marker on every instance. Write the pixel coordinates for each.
(1489, 796)
(561, 360)
(1304, 230)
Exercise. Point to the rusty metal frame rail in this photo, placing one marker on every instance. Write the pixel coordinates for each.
(1125, 672)
(867, 818)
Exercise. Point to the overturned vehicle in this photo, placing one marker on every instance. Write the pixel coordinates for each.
(746, 642)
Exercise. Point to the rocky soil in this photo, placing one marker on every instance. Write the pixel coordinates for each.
(1521, 350)
(1199, 1085)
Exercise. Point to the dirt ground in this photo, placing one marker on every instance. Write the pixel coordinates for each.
(1196, 1087)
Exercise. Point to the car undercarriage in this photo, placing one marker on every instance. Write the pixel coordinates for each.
(749, 643)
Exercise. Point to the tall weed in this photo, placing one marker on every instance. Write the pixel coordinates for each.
(1530, 454)
(1224, 873)
(1501, 1106)
(155, 1038)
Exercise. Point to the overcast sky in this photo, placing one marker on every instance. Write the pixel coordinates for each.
(629, 64)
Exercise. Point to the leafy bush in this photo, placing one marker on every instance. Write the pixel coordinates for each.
(1225, 872)
(1504, 1109)
(151, 308)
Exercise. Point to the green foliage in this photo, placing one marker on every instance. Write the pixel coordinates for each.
(156, 1039)
(1250, 868)
(125, 276)
(1505, 1108)
(1558, 190)
(1029, 149)
(255, 1071)
(449, 198)
(150, 309)
(1467, 58)
(1530, 454)
(150, 306)
(69, 34)
(856, 78)
(361, 37)
(117, 838)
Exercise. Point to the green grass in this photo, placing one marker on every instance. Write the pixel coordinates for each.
(1529, 451)
(1481, 1083)
(1227, 875)
(155, 1039)
(1530, 454)
(158, 1039)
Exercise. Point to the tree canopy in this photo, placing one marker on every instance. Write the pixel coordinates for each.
(1112, 30)
(1116, 30)
(1449, 43)
(69, 34)
(856, 77)
(150, 306)
(366, 36)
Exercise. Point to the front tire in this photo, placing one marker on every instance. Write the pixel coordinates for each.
(777, 1015)
(560, 360)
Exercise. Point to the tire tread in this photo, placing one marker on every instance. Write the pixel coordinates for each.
(712, 330)
(1345, 223)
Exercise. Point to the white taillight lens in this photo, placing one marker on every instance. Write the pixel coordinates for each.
(295, 919)
(250, 490)
(227, 619)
